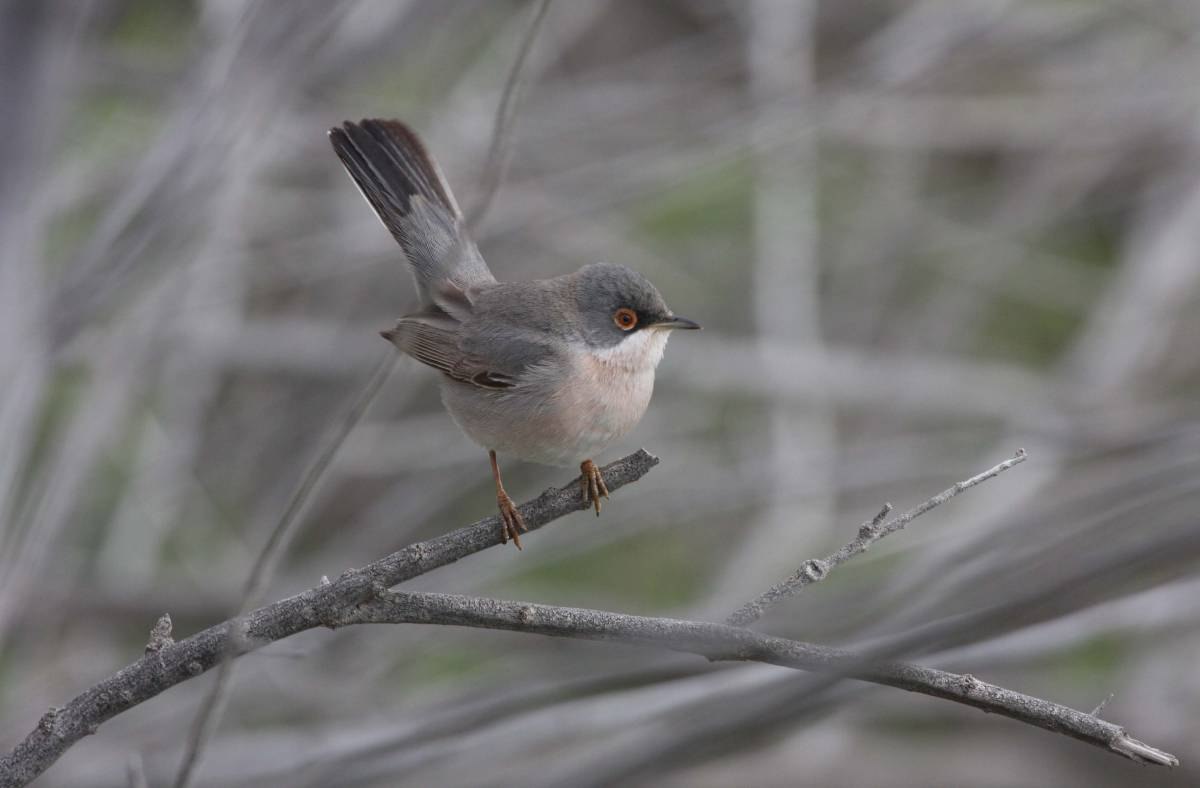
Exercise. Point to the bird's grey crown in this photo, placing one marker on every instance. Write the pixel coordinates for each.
(603, 288)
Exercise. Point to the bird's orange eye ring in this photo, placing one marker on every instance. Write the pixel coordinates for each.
(625, 318)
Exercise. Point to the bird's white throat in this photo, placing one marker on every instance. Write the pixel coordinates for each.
(638, 352)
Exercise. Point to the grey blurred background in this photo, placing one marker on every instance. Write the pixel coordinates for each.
(919, 235)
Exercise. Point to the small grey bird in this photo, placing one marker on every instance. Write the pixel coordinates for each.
(550, 371)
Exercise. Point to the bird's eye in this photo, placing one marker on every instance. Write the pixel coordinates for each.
(625, 318)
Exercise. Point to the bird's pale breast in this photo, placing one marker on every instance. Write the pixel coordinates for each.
(563, 413)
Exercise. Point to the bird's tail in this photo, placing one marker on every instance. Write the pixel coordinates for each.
(404, 185)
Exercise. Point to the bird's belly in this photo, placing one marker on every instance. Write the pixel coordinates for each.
(551, 422)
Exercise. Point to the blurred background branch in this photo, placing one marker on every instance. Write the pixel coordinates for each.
(973, 223)
(208, 717)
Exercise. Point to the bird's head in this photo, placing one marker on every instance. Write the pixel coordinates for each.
(622, 315)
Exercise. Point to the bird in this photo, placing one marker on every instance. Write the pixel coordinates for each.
(549, 371)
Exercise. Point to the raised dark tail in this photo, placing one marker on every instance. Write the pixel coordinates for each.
(404, 185)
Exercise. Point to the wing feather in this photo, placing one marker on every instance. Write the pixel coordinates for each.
(435, 340)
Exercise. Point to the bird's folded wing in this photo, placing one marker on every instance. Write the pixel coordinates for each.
(437, 341)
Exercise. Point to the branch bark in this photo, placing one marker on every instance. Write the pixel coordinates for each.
(173, 663)
(722, 642)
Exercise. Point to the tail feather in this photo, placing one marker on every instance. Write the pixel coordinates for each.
(405, 187)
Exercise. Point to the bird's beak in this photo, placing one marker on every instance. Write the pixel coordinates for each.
(675, 321)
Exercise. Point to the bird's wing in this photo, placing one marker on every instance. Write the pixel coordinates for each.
(405, 187)
(442, 343)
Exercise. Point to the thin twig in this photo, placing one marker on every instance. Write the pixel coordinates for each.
(815, 570)
(721, 642)
(320, 606)
(135, 771)
(496, 163)
(209, 715)
(264, 566)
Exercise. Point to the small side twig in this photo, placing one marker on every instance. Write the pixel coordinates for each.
(816, 570)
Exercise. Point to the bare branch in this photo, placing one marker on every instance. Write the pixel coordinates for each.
(721, 642)
(61, 727)
(361, 596)
(815, 570)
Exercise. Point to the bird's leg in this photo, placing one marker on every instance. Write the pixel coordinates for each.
(511, 522)
(593, 484)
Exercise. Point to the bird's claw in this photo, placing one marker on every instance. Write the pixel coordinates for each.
(593, 484)
(511, 522)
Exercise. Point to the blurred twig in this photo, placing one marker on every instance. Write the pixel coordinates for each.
(320, 606)
(264, 566)
(499, 150)
(815, 570)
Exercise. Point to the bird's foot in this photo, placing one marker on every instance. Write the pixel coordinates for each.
(593, 485)
(511, 522)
